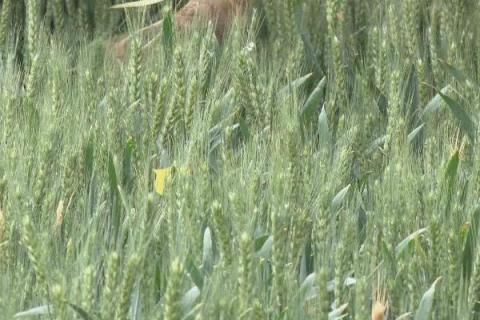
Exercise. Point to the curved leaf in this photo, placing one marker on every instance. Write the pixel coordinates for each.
(434, 104)
(456, 73)
(294, 84)
(469, 248)
(323, 130)
(80, 311)
(260, 241)
(193, 272)
(452, 166)
(338, 313)
(425, 307)
(313, 102)
(37, 311)
(307, 288)
(136, 4)
(415, 132)
(190, 298)
(405, 242)
(404, 316)
(464, 120)
(207, 256)
(266, 249)
(339, 197)
(375, 144)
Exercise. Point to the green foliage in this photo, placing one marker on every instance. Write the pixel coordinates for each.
(333, 156)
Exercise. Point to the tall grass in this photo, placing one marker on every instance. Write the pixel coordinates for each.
(331, 155)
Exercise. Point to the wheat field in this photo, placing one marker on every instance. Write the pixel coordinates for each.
(319, 161)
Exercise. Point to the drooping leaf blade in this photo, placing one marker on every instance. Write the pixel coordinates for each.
(425, 308)
(434, 104)
(465, 122)
(266, 249)
(470, 246)
(313, 103)
(324, 134)
(294, 84)
(339, 197)
(193, 272)
(37, 311)
(405, 242)
(415, 132)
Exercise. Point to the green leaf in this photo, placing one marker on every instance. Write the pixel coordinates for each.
(310, 53)
(167, 31)
(207, 256)
(294, 85)
(189, 299)
(456, 73)
(415, 132)
(339, 197)
(338, 313)
(464, 120)
(375, 145)
(425, 308)
(307, 288)
(452, 168)
(389, 257)
(266, 249)
(136, 302)
(112, 174)
(307, 114)
(434, 104)
(405, 242)
(260, 241)
(80, 311)
(470, 247)
(404, 316)
(37, 311)
(136, 4)
(323, 131)
(192, 313)
(193, 272)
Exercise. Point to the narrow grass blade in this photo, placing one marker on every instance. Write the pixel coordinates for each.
(434, 104)
(136, 4)
(189, 299)
(456, 73)
(470, 247)
(324, 134)
(415, 132)
(404, 316)
(294, 84)
(464, 120)
(266, 249)
(338, 313)
(37, 311)
(425, 308)
(81, 312)
(313, 103)
(339, 197)
(193, 272)
(307, 288)
(452, 168)
(136, 303)
(405, 242)
(375, 145)
(207, 254)
(259, 241)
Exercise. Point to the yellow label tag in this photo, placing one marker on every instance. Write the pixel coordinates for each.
(161, 176)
